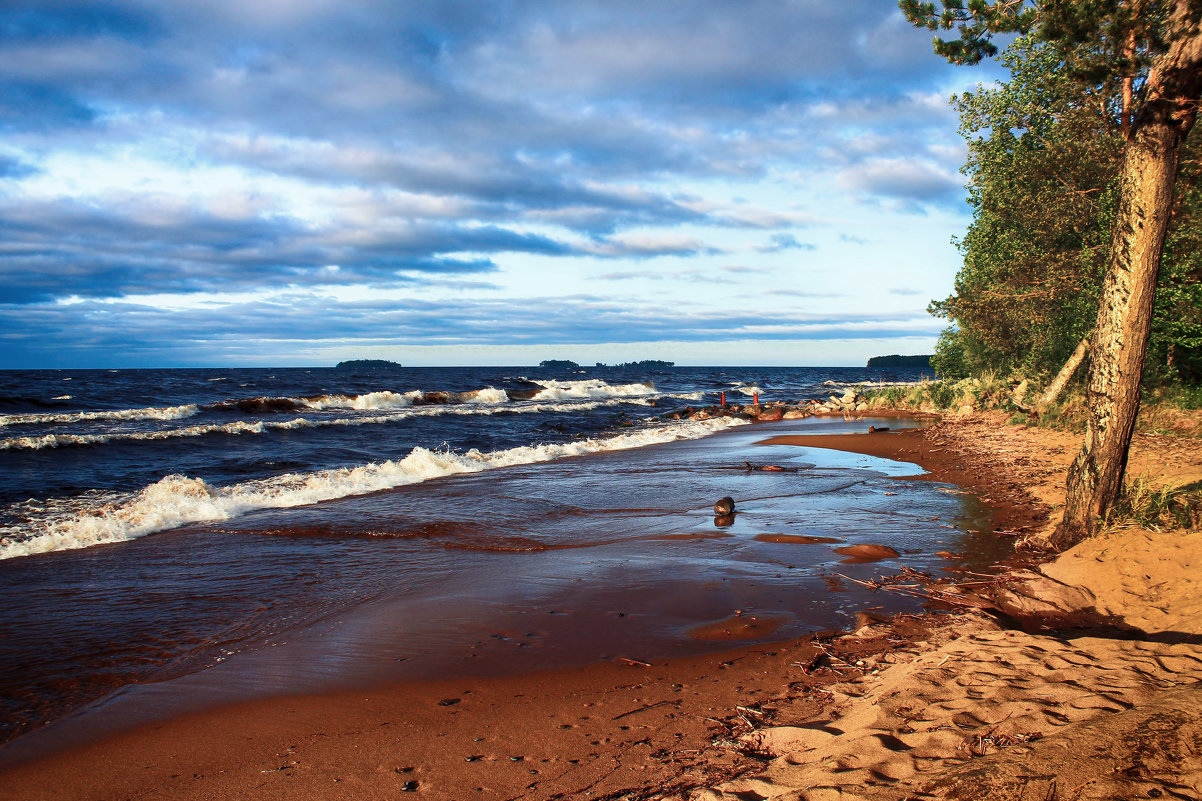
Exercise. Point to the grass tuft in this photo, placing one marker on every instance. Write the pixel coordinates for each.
(1157, 507)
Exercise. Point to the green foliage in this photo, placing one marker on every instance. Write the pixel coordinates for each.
(946, 395)
(1070, 413)
(1042, 169)
(1182, 396)
(1176, 344)
(976, 23)
(942, 394)
(1096, 39)
(1044, 158)
(950, 359)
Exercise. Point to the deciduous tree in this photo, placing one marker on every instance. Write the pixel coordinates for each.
(1154, 47)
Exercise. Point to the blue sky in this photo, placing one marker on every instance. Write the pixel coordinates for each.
(295, 182)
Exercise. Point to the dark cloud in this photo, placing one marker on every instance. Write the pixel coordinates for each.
(39, 21)
(15, 168)
(641, 246)
(561, 128)
(66, 249)
(35, 107)
(75, 334)
(916, 183)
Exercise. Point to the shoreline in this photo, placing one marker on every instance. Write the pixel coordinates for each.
(628, 730)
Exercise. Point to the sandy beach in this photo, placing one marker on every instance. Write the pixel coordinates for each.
(962, 702)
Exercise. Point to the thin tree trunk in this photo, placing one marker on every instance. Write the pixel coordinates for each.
(1120, 338)
(1128, 82)
(1056, 388)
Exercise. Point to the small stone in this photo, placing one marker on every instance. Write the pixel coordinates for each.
(724, 506)
(868, 551)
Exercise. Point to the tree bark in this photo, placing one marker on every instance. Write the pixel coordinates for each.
(1120, 338)
(1056, 388)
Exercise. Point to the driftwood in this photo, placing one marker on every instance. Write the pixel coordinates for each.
(665, 702)
(770, 468)
(633, 662)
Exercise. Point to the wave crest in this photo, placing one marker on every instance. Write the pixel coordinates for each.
(179, 500)
(590, 388)
(55, 418)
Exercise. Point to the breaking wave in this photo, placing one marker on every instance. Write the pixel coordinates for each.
(384, 400)
(49, 418)
(178, 500)
(260, 426)
(590, 388)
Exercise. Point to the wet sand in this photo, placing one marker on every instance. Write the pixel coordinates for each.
(809, 718)
(529, 568)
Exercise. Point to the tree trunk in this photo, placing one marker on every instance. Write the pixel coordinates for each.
(1056, 388)
(1120, 338)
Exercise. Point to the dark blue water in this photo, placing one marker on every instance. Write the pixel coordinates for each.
(79, 443)
(285, 530)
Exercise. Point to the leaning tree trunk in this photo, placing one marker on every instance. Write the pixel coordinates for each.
(1120, 338)
(1056, 388)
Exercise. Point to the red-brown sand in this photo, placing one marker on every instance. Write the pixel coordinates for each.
(898, 709)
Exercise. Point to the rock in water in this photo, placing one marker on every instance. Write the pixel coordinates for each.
(868, 551)
(725, 506)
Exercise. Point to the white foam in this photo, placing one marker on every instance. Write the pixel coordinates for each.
(364, 402)
(488, 395)
(590, 388)
(241, 427)
(54, 418)
(179, 500)
(66, 440)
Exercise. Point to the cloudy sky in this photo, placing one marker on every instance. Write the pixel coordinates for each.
(295, 182)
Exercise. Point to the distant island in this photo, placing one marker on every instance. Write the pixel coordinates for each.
(900, 361)
(367, 364)
(646, 364)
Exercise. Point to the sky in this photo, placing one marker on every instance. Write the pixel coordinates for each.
(447, 182)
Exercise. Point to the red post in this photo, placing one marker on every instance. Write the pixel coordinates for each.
(755, 398)
(723, 398)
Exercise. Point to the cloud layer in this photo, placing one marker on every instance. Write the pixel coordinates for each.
(328, 151)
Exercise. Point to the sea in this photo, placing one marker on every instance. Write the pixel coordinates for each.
(176, 537)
